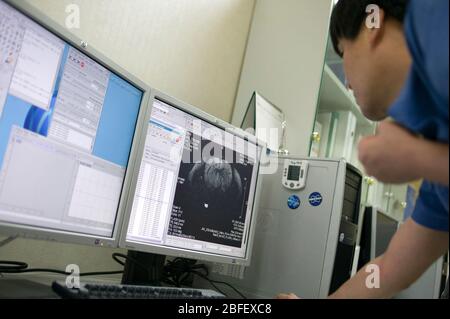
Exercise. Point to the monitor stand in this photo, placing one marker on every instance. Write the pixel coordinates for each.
(143, 269)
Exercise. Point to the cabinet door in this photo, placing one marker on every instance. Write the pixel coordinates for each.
(397, 201)
(378, 195)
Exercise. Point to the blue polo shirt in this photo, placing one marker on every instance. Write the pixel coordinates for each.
(423, 104)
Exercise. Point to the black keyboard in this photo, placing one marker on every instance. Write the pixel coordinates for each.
(117, 291)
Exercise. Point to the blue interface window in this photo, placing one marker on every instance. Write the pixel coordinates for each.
(116, 124)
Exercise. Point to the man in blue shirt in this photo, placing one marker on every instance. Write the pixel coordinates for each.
(396, 56)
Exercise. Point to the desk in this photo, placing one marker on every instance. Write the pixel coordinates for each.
(37, 286)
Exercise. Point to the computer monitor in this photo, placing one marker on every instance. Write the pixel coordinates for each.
(377, 231)
(68, 118)
(266, 121)
(386, 229)
(196, 189)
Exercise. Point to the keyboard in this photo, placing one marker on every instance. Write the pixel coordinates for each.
(118, 291)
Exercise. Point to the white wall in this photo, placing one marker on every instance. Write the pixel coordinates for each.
(284, 62)
(191, 49)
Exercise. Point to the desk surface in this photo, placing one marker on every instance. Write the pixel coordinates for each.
(36, 286)
(11, 288)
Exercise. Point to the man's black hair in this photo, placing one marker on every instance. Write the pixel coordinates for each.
(349, 16)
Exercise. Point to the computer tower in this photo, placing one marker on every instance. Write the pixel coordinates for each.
(306, 234)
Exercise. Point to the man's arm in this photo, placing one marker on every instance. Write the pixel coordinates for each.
(395, 155)
(432, 161)
(411, 252)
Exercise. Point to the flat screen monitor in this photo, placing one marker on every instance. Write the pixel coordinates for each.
(385, 231)
(377, 231)
(67, 124)
(266, 121)
(196, 187)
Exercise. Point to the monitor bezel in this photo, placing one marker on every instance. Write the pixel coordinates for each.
(39, 233)
(179, 252)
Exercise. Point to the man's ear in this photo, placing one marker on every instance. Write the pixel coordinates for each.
(376, 25)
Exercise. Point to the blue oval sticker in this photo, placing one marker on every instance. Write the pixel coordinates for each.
(293, 202)
(315, 199)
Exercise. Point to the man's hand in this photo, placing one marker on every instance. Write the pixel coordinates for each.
(287, 296)
(396, 156)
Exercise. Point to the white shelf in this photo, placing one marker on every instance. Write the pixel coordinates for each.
(335, 97)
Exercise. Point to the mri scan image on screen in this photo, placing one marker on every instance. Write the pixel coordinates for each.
(211, 197)
(195, 189)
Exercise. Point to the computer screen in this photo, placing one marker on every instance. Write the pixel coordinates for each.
(367, 235)
(266, 120)
(195, 189)
(376, 234)
(67, 125)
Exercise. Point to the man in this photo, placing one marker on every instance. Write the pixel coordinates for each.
(396, 57)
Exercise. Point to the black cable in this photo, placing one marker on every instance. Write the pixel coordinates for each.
(232, 287)
(61, 272)
(115, 257)
(20, 271)
(101, 273)
(18, 267)
(12, 265)
(181, 268)
(213, 282)
(176, 272)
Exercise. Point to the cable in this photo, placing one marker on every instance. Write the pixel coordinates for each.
(101, 273)
(116, 256)
(231, 286)
(213, 282)
(12, 265)
(178, 270)
(18, 267)
(7, 241)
